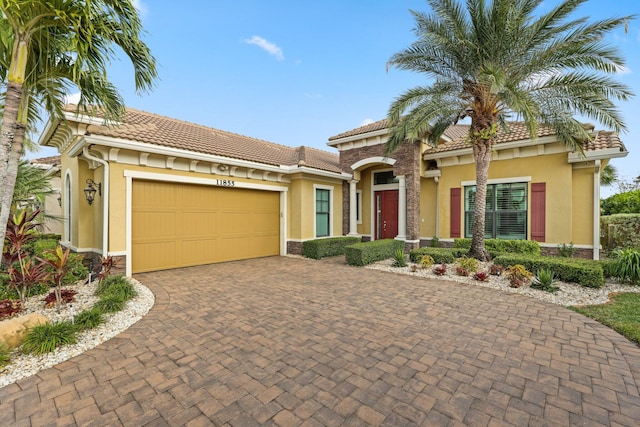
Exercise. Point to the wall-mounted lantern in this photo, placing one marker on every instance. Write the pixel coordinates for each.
(90, 191)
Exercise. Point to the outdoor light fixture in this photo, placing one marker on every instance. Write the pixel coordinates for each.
(59, 199)
(90, 191)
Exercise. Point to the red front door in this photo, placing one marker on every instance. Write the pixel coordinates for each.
(386, 206)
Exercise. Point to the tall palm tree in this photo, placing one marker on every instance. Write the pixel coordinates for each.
(48, 48)
(499, 60)
(609, 175)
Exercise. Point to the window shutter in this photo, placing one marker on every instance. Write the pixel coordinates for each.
(538, 207)
(455, 212)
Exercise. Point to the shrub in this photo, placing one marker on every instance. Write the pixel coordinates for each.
(496, 270)
(123, 290)
(88, 319)
(322, 248)
(115, 285)
(469, 264)
(46, 338)
(426, 261)
(566, 251)
(439, 255)
(545, 280)
(620, 231)
(481, 276)
(398, 258)
(440, 270)
(106, 263)
(109, 304)
(9, 308)
(500, 246)
(583, 272)
(66, 296)
(365, 253)
(621, 203)
(518, 275)
(461, 271)
(434, 243)
(626, 266)
(42, 245)
(5, 356)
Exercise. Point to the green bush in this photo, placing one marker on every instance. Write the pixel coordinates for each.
(626, 266)
(88, 319)
(367, 252)
(620, 231)
(109, 282)
(439, 255)
(399, 259)
(40, 246)
(621, 203)
(322, 248)
(110, 304)
(546, 281)
(468, 264)
(5, 356)
(76, 269)
(583, 272)
(46, 338)
(496, 247)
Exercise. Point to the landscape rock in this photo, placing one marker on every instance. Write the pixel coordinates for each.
(13, 331)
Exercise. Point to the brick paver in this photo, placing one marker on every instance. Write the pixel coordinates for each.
(289, 342)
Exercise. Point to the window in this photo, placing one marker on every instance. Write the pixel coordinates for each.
(506, 211)
(323, 212)
(381, 178)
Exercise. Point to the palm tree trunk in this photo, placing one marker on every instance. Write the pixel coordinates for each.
(482, 156)
(11, 139)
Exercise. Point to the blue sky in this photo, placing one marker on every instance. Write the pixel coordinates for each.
(296, 72)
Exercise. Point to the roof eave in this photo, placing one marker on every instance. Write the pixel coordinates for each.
(602, 154)
(351, 138)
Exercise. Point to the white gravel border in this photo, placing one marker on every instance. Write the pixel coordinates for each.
(25, 365)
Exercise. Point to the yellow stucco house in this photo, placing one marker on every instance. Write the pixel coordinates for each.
(167, 193)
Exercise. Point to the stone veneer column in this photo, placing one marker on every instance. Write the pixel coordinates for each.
(353, 211)
(402, 208)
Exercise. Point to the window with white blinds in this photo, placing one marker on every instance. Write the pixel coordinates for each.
(506, 211)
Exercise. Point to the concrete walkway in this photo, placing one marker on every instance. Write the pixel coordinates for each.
(282, 341)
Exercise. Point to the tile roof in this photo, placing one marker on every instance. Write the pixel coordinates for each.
(457, 134)
(48, 161)
(163, 131)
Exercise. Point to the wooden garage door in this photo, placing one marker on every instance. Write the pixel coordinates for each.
(178, 225)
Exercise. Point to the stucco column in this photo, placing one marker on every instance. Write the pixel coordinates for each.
(402, 207)
(353, 211)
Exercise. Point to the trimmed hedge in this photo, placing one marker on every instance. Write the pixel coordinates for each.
(502, 246)
(322, 248)
(439, 255)
(367, 252)
(583, 272)
(620, 231)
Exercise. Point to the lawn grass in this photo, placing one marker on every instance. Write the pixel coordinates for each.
(622, 314)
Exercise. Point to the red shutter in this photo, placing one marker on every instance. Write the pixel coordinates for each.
(456, 207)
(538, 208)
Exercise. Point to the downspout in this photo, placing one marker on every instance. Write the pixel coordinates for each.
(437, 180)
(596, 211)
(105, 204)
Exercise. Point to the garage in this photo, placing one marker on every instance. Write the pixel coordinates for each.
(178, 225)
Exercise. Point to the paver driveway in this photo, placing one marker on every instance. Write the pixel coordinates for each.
(296, 342)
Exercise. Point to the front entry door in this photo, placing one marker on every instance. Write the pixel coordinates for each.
(386, 205)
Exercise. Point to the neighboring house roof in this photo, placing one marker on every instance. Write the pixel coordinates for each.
(47, 161)
(154, 129)
(456, 136)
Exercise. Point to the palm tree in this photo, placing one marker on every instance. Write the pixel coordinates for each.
(47, 49)
(495, 60)
(609, 175)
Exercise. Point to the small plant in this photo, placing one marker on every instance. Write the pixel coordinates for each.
(435, 243)
(496, 270)
(66, 296)
(5, 356)
(469, 264)
(59, 265)
(518, 276)
(566, 251)
(121, 289)
(9, 308)
(440, 270)
(461, 271)
(399, 259)
(46, 338)
(481, 276)
(426, 261)
(627, 266)
(545, 280)
(88, 319)
(107, 264)
(414, 268)
(109, 304)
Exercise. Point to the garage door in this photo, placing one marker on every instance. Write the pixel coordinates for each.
(179, 225)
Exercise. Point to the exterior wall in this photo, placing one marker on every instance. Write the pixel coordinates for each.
(552, 169)
(53, 208)
(582, 201)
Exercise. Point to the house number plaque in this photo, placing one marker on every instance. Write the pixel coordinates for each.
(225, 182)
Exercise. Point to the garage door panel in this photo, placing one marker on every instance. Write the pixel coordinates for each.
(176, 225)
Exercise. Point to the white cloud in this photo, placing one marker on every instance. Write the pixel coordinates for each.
(313, 95)
(623, 70)
(267, 46)
(73, 98)
(140, 7)
(367, 121)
